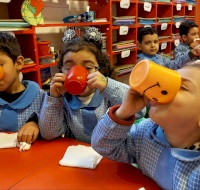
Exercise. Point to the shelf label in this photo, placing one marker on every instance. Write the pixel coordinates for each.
(123, 30)
(177, 24)
(190, 7)
(5, 1)
(147, 25)
(178, 7)
(125, 53)
(163, 45)
(164, 26)
(176, 42)
(147, 6)
(124, 4)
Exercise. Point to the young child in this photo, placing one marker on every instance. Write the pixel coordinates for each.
(188, 32)
(76, 116)
(20, 102)
(165, 147)
(149, 46)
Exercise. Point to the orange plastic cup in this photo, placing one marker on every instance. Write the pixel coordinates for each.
(158, 83)
(1, 73)
(76, 80)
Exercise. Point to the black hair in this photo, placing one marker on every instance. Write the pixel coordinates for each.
(185, 26)
(95, 47)
(9, 45)
(145, 31)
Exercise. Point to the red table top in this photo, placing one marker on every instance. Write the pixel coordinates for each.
(38, 168)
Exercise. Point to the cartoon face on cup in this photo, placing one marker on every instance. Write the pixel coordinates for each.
(1, 73)
(76, 80)
(158, 83)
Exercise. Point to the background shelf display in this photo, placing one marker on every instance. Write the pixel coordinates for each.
(164, 16)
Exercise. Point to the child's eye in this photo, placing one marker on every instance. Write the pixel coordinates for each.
(183, 88)
(92, 69)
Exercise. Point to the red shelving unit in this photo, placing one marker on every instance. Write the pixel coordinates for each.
(107, 9)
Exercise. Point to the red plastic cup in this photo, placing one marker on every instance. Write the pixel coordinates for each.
(76, 80)
(1, 73)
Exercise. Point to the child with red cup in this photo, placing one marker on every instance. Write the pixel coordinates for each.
(68, 111)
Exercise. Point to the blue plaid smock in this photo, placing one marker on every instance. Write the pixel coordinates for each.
(66, 115)
(182, 49)
(146, 145)
(15, 114)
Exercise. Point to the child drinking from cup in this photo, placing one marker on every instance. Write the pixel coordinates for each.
(20, 101)
(66, 112)
(189, 33)
(166, 146)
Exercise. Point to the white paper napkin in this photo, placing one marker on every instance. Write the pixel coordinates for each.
(10, 140)
(80, 156)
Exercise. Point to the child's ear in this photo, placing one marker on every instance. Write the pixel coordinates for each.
(184, 37)
(139, 45)
(19, 63)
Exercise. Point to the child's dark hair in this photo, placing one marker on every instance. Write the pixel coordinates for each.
(145, 31)
(9, 45)
(78, 44)
(186, 26)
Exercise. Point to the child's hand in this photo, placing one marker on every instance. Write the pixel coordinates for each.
(97, 80)
(132, 103)
(57, 87)
(196, 51)
(195, 42)
(28, 133)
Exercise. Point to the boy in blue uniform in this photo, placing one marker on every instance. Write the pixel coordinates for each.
(166, 146)
(20, 102)
(189, 31)
(149, 46)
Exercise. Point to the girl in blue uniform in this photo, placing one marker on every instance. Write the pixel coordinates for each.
(76, 115)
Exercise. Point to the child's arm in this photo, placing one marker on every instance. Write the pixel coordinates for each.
(177, 64)
(51, 117)
(52, 112)
(111, 137)
(179, 51)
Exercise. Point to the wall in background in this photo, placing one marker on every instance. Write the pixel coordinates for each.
(54, 11)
